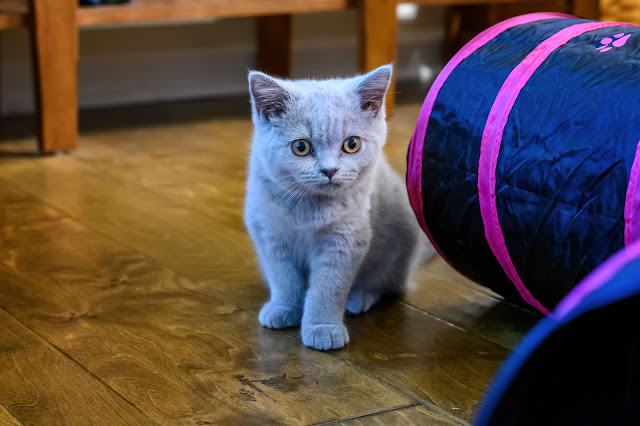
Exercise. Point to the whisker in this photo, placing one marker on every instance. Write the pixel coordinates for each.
(286, 189)
(287, 192)
(301, 196)
(292, 194)
(288, 184)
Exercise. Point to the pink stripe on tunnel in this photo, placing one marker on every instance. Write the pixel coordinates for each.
(597, 279)
(492, 139)
(632, 203)
(414, 166)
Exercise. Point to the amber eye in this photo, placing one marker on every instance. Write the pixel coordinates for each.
(351, 145)
(301, 147)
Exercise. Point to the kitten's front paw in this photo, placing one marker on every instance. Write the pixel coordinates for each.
(273, 315)
(360, 301)
(325, 336)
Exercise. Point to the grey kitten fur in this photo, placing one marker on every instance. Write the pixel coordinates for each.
(333, 230)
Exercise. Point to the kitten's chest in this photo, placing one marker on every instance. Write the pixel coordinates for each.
(317, 214)
(306, 238)
(301, 246)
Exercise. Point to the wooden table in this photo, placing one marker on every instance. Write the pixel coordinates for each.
(54, 27)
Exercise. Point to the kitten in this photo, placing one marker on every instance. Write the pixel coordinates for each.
(330, 219)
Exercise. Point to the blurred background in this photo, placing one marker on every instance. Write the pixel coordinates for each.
(144, 62)
(147, 52)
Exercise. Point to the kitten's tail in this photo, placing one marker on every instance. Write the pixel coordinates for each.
(425, 250)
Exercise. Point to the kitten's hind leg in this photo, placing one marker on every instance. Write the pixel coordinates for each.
(377, 278)
(360, 300)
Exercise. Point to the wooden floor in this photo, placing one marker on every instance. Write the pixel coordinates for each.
(129, 294)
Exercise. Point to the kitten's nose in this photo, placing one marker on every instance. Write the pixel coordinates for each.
(329, 172)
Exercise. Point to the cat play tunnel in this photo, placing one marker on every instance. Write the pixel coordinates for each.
(523, 171)
(524, 165)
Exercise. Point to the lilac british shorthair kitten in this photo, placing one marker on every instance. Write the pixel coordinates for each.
(330, 219)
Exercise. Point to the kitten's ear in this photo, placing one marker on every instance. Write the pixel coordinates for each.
(373, 86)
(269, 97)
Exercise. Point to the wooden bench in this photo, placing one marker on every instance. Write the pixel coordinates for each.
(54, 41)
(54, 27)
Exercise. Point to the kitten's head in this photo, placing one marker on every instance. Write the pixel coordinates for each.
(322, 135)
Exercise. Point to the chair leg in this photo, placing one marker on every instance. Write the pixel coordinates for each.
(378, 39)
(54, 40)
(274, 44)
(0, 84)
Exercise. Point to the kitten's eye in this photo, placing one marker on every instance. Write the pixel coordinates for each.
(301, 147)
(351, 145)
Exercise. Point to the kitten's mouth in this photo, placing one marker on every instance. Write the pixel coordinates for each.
(328, 189)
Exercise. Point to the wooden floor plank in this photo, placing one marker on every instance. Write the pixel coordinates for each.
(208, 249)
(8, 419)
(42, 386)
(434, 361)
(441, 291)
(138, 265)
(171, 347)
(417, 415)
(440, 364)
(412, 350)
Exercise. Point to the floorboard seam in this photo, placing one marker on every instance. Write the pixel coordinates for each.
(475, 287)
(479, 336)
(118, 394)
(509, 348)
(437, 318)
(417, 399)
(11, 414)
(359, 416)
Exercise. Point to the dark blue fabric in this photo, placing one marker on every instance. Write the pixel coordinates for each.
(582, 369)
(452, 150)
(565, 161)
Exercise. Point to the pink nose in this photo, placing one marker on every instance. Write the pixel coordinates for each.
(329, 172)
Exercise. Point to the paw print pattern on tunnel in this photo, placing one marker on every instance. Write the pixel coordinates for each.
(609, 43)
